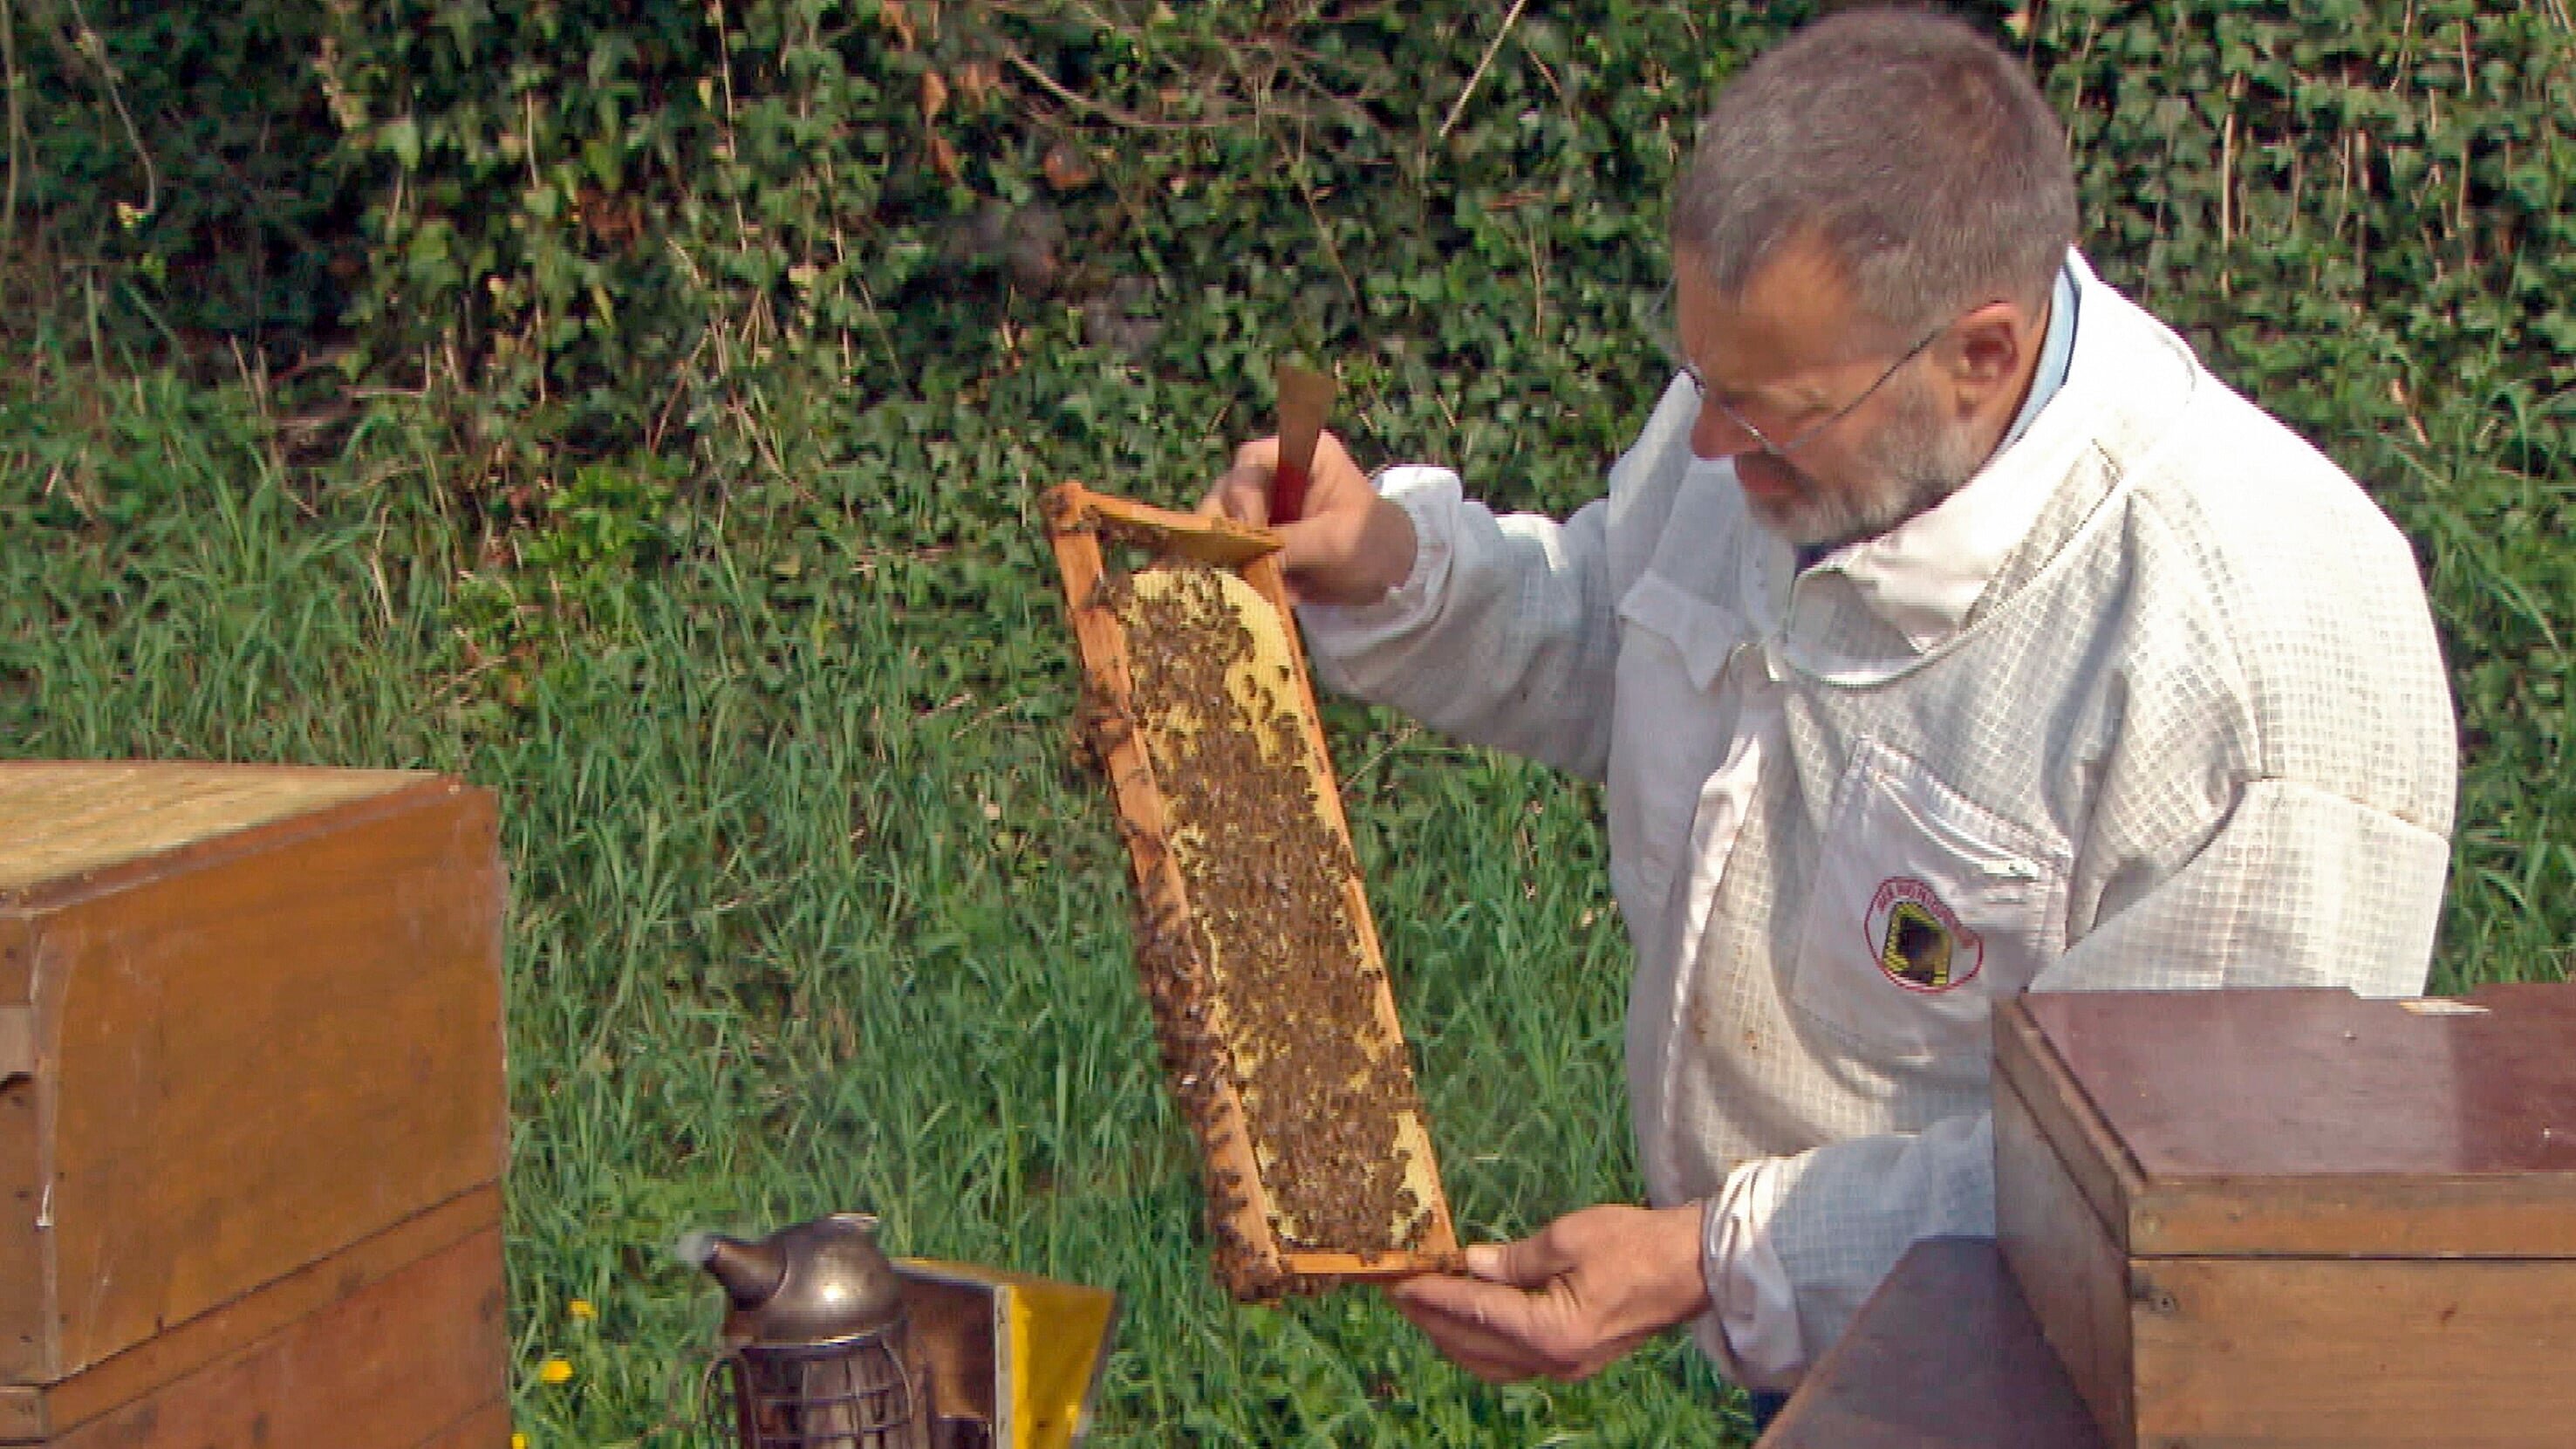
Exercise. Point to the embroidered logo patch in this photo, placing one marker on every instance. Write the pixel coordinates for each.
(1920, 942)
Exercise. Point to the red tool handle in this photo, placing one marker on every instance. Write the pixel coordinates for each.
(1287, 493)
(1304, 397)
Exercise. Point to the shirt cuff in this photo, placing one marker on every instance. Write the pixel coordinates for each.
(1430, 497)
(1754, 1306)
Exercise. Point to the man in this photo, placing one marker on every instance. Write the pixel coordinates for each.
(1959, 636)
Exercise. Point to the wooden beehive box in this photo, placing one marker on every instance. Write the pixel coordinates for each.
(2297, 1217)
(252, 1113)
(1254, 939)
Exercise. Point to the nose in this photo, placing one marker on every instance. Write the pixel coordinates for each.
(1714, 435)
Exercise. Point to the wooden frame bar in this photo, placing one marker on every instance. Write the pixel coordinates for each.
(1076, 520)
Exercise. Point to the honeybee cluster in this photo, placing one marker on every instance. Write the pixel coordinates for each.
(1262, 981)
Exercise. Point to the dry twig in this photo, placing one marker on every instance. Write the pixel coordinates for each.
(1473, 80)
(1112, 114)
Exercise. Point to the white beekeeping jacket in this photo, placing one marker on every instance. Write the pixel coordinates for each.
(2153, 702)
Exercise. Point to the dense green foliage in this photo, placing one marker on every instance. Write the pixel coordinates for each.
(2363, 218)
(638, 408)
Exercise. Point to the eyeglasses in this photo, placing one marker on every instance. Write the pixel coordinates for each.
(1809, 433)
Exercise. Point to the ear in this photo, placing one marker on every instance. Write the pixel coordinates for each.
(1989, 351)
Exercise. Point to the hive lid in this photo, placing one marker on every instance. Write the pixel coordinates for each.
(2317, 1122)
(58, 820)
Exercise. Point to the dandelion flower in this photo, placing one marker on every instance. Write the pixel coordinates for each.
(554, 1371)
(581, 1308)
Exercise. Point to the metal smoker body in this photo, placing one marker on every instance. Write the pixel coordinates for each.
(816, 1338)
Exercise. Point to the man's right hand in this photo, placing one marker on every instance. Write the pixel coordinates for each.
(1349, 548)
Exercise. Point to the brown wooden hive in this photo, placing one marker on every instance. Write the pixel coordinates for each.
(253, 1109)
(2297, 1217)
(1253, 936)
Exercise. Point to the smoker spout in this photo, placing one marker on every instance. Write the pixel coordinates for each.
(750, 1272)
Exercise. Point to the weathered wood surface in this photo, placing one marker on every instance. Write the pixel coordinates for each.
(411, 1359)
(2072, 1277)
(61, 820)
(253, 1044)
(2320, 1122)
(32, 1413)
(1075, 519)
(2297, 1217)
(1943, 1356)
(2325, 1353)
(486, 1427)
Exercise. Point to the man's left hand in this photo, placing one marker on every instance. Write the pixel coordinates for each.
(1565, 1304)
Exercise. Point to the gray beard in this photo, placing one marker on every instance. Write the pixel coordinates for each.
(1916, 462)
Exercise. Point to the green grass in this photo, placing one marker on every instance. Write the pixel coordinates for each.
(810, 911)
(2493, 521)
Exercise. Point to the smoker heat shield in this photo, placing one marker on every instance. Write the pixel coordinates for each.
(1020, 1354)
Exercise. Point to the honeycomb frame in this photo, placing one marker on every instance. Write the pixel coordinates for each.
(1172, 954)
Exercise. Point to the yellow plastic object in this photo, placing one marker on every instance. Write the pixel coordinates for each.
(1020, 1352)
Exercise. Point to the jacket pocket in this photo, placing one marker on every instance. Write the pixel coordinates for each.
(1670, 731)
(1925, 909)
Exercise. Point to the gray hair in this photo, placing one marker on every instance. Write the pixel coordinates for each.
(1921, 156)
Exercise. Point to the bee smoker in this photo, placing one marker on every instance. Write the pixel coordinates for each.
(816, 1340)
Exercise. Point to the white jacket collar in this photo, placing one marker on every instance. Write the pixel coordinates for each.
(1924, 576)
